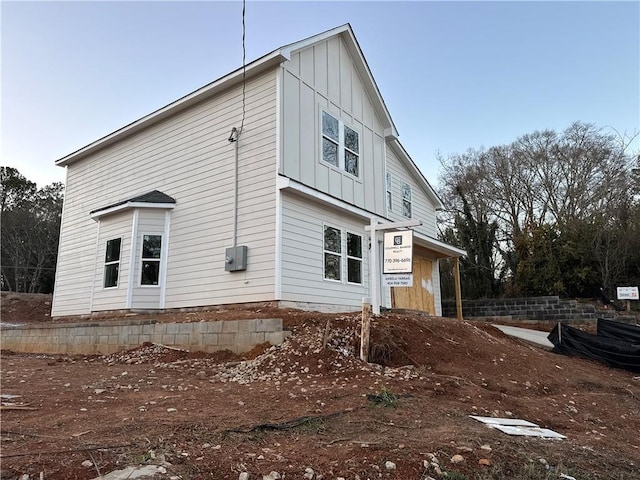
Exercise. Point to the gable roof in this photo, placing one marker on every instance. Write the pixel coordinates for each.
(252, 69)
(415, 171)
(361, 65)
(153, 199)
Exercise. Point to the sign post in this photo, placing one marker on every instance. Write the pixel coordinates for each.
(374, 306)
(628, 294)
(374, 282)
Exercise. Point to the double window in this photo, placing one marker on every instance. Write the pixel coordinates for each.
(112, 263)
(342, 248)
(406, 200)
(151, 249)
(340, 145)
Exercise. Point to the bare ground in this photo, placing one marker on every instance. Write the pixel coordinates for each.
(296, 406)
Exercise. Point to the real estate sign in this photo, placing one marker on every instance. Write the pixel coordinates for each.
(397, 279)
(398, 252)
(627, 293)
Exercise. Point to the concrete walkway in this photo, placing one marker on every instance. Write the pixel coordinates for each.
(533, 336)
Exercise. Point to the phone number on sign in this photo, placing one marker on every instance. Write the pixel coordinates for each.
(397, 260)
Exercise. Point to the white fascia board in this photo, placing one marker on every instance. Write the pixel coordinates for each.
(286, 183)
(413, 168)
(360, 63)
(270, 60)
(128, 205)
(307, 42)
(438, 246)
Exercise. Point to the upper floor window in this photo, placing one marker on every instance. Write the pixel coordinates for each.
(151, 248)
(340, 145)
(406, 200)
(112, 263)
(389, 197)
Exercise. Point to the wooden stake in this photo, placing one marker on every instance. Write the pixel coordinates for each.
(456, 278)
(327, 329)
(365, 328)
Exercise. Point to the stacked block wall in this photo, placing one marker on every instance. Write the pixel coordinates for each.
(108, 337)
(545, 309)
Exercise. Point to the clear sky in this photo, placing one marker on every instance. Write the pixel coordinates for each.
(454, 75)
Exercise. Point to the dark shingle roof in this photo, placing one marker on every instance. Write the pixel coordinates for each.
(155, 196)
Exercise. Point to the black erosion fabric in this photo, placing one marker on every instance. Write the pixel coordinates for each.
(615, 353)
(618, 330)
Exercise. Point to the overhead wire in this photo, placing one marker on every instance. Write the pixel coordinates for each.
(244, 65)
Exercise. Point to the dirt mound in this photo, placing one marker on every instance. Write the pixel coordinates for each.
(19, 308)
(310, 409)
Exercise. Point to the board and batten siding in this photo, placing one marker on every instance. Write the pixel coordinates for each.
(112, 227)
(188, 157)
(323, 77)
(302, 234)
(422, 209)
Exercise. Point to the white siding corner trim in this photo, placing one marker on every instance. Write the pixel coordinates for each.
(164, 256)
(132, 257)
(278, 227)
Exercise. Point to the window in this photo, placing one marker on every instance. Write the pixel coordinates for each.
(406, 200)
(335, 255)
(112, 263)
(354, 258)
(151, 248)
(389, 199)
(332, 253)
(340, 145)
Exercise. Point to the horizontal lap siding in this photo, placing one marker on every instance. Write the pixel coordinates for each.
(150, 222)
(111, 227)
(189, 158)
(302, 254)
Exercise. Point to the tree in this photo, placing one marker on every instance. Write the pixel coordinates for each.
(30, 229)
(561, 207)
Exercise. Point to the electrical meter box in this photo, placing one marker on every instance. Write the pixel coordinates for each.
(235, 259)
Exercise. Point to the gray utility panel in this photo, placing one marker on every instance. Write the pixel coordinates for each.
(235, 259)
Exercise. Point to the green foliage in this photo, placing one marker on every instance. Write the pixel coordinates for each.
(477, 235)
(386, 398)
(29, 232)
(456, 476)
(548, 214)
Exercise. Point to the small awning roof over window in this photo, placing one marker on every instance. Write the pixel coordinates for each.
(153, 199)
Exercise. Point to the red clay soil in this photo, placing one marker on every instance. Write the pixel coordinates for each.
(302, 406)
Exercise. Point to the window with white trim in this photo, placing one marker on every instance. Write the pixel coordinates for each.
(354, 258)
(340, 145)
(406, 200)
(342, 249)
(389, 196)
(150, 268)
(112, 263)
(332, 253)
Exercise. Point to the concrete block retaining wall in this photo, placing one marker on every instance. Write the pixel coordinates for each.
(112, 336)
(546, 309)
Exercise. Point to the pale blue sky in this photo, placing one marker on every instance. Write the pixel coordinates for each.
(454, 75)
